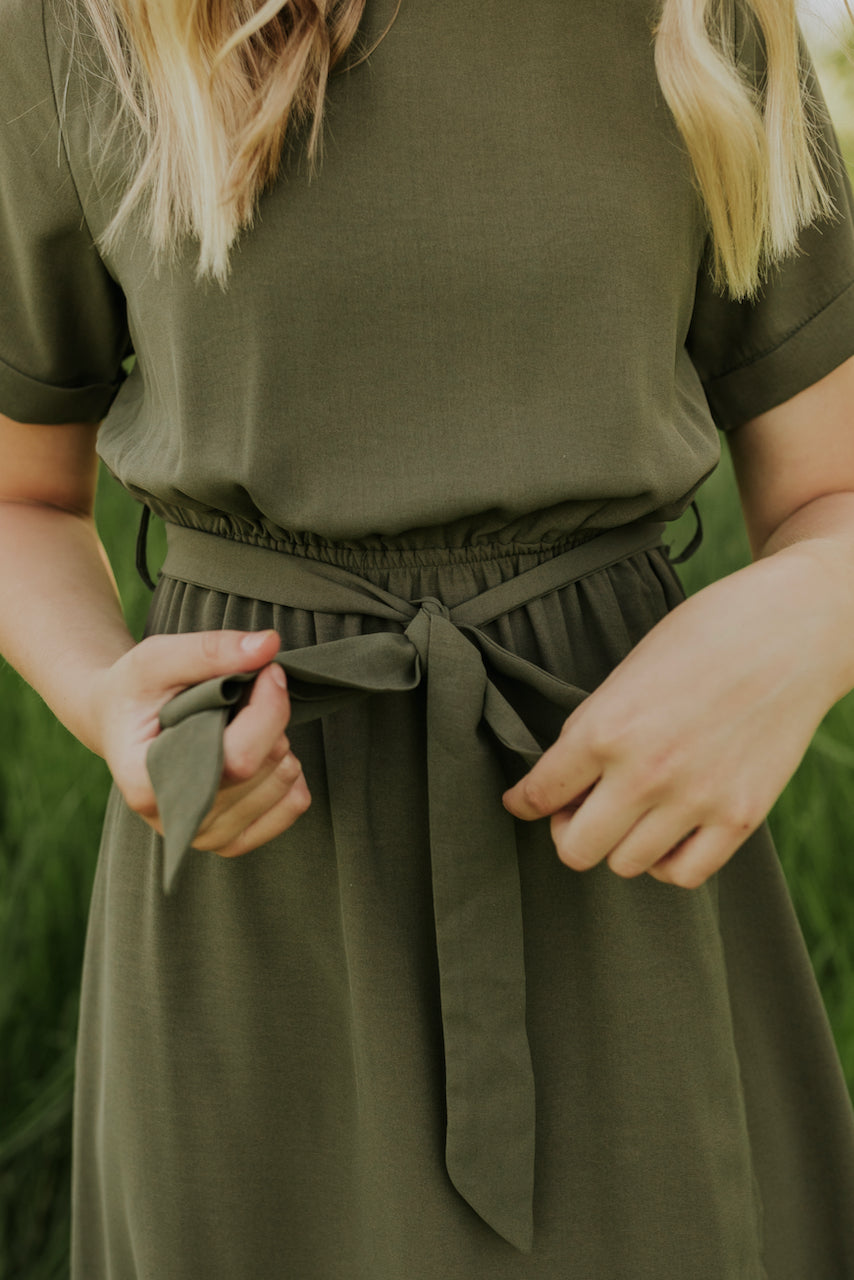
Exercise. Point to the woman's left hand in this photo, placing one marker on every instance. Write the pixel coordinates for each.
(678, 756)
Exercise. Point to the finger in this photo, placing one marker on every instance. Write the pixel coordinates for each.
(656, 834)
(232, 793)
(175, 661)
(272, 823)
(586, 833)
(131, 775)
(243, 744)
(258, 727)
(696, 858)
(562, 775)
(227, 820)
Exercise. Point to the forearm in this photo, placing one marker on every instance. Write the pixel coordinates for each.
(813, 549)
(62, 623)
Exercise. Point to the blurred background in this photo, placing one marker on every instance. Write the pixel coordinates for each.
(52, 793)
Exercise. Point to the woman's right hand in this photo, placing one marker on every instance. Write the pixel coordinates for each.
(263, 790)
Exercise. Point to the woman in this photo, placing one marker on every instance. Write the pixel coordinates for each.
(415, 422)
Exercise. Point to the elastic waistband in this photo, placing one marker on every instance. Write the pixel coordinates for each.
(259, 573)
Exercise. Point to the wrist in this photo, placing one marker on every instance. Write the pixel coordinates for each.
(89, 713)
(82, 699)
(817, 577)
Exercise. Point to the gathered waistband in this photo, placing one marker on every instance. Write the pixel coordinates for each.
(327, 585)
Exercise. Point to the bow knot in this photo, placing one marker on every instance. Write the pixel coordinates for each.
(431, 605)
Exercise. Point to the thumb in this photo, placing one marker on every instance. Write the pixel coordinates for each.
(166, 663)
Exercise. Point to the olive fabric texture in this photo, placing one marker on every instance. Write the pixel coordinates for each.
(479, 339)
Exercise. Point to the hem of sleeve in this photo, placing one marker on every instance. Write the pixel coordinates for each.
(26, 399)
(813, 350)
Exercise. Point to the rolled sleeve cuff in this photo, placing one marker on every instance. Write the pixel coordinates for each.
(811, 351)
(26, 399)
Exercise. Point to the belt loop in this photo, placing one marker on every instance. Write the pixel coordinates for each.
(142, 547)
(695, 543)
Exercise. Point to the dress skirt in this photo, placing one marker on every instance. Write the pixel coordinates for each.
(261, 1087)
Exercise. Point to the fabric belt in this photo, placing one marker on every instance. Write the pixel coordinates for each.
(489, 1081)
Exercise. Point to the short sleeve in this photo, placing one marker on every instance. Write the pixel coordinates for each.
(63, 322)
(751, 356)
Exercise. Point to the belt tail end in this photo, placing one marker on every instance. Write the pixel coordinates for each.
(508, 1210)
(185, 766)
(492, 1168)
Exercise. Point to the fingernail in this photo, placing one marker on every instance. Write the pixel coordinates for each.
(254, 641)
(279, 676)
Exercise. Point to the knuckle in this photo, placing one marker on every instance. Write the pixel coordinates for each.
(654, 774)
(223, 838)
(651, 773)
(234, 849)
(743, 817)
(628, 868)
(607, 737)
(576, 862)
(570, 724)
(301, 800)
(574, 858)
(215, 833)
(687, 876)
(535, 794)
(205, 844)
(705, 803)
(641, 786)
(242, 763)
(289, 768)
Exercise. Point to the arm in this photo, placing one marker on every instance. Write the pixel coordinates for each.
(66, 634)
(68, 621)
(671, 763)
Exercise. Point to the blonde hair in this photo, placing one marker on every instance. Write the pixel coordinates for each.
(752, 140)
(213, 88)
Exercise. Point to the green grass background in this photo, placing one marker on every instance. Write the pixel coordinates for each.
(52, 793)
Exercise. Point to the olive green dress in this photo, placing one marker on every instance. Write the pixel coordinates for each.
(482, 336)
